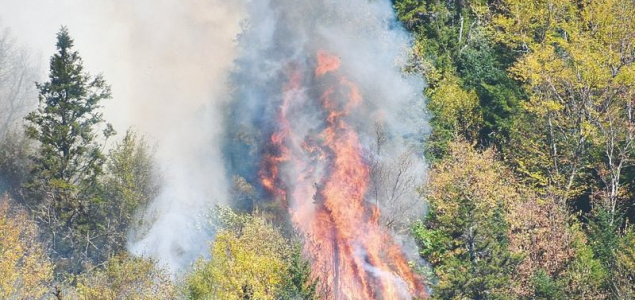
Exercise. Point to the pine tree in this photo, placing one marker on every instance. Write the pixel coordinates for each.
(69, 160)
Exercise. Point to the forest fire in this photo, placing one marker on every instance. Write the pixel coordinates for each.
(324, 185)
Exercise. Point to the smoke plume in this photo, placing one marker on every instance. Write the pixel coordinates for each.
(167, 62)
(294, 98)
(326, 125)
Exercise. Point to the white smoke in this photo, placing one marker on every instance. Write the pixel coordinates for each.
(172, 63)
(167, 62)
(18, 71)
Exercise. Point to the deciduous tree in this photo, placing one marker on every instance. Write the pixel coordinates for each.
(250, 259)
(125, 278)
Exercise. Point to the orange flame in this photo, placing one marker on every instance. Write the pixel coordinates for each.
(326, 63)
(351, 254)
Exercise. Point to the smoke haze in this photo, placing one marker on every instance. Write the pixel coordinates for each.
(167, 62)
(203, 79)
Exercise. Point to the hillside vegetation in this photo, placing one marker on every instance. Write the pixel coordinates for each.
(530, 190)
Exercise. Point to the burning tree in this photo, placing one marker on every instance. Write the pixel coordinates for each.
(324, 186)
(311, 81)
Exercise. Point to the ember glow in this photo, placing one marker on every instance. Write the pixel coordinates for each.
(325, 185)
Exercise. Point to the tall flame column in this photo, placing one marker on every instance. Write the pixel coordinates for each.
(324, 184)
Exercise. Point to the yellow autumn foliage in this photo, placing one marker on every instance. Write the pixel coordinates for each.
(451, 103)
(473, 176)
(25, 271)
(248, 261)
(124, 277)
(576, 66)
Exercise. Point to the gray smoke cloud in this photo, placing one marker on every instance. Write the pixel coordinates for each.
(373, 49)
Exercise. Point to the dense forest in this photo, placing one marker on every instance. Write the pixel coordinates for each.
(529, 189)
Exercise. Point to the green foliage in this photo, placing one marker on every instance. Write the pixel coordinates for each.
(299, 283)
(70, 158)
(550, 83)
(624, 275)
(129, 185)
(613, 248)
(410, 12)
(604, 237)
(585, 276)
(483, 69)
(453, 40)
(546, 288)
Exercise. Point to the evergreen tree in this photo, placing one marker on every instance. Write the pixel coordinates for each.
(465, 235)
(470, 93)
(299, 283)
(64, 184)
(614, 249)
